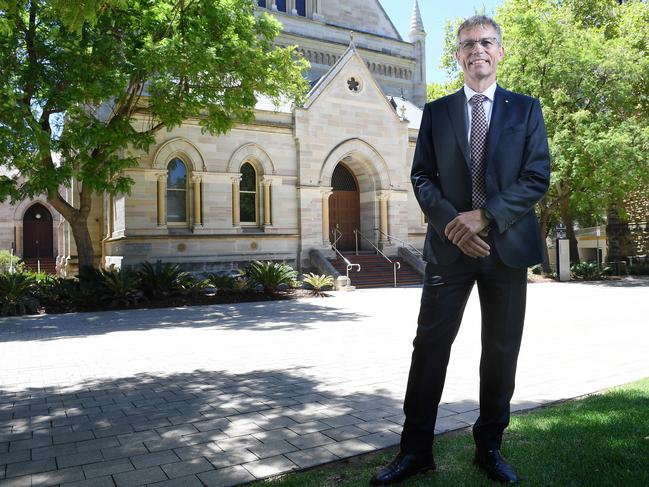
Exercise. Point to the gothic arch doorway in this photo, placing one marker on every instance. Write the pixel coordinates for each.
(37, 233)
(344, 207)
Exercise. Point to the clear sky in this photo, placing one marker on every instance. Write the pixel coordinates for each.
(434, 13)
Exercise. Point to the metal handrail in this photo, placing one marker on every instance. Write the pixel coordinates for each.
(337, 234)
(407, 244)
(395, 265)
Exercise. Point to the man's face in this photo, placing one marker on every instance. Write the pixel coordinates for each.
(477, 59)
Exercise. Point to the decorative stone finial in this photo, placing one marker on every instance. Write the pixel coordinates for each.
(416, 24)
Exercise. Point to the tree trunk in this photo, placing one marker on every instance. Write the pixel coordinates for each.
(566, 217)
(78, 221)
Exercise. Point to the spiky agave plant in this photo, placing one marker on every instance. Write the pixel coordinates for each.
(270, 275)
(318, 282)
(17, 294)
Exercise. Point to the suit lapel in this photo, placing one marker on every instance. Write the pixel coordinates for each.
(457, 114)
(496, 125)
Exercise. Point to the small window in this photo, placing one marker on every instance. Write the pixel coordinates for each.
(261, 3)
(248, 194)
(300, 6)
(176, 192)
(281, 5)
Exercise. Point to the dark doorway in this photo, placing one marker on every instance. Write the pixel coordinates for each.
(344, 207)
(37, 233)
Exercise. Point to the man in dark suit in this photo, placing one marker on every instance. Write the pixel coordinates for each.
(480, 165)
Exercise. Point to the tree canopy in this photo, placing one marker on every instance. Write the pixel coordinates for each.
(87, 84)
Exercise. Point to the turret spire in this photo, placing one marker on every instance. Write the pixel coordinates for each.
(416, 24)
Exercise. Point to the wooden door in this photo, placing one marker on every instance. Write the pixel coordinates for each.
(37, 233)
(344, 207)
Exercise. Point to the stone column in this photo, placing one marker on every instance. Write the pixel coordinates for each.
(162, 199)
(198, 216)
(325, 217)
(317, 14)
(383, 216)
(111, 215)
(236, 218)
(19, 239)
(266, 183)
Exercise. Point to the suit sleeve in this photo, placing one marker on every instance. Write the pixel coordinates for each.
(533, 180)
(425, 179)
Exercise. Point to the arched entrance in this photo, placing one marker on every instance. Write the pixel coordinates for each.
(37, 233)
(344, 207)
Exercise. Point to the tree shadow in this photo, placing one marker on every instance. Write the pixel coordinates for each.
(213, 419)
(631, 281)
(289, 315)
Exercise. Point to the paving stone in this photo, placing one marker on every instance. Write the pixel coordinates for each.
(381, 439)
(270, 466)
(194, 451)
(311, 457)
(97, 444)
(348, 448)
(166, 444)
(211, 424)
(344, 433)
(55, 477)
(124, 451)
(94, 482)
(113, 430)
(338, 421)
(143, 476)
(72, 437)
(185, 468)
(53, 451)
(226, 477)
(25, 481)
(205, 437)
(32, 466)
(189, 481)
(238, 442)
(176, 431)
(449, 423)
(225, 459)
(107, 467)
(29, 444)
(153, 459)
(14, 456)
(272, 448)
(138, 437)
(310, 427)
(80, 458)
(310, 440)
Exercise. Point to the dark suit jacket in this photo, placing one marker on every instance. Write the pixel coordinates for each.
(517, 175)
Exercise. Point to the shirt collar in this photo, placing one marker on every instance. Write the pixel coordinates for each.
(489, 92)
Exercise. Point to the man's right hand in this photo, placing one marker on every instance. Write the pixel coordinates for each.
(474, 247)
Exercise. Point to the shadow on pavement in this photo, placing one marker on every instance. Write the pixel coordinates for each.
(287, 315)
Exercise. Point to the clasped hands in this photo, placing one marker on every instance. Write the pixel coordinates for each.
(466, 231)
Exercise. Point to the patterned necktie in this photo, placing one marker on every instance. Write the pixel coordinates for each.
(478, 152)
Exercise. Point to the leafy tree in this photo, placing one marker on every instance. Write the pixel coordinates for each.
(87, 85)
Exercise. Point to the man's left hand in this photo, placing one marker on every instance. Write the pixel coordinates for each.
(465, 225)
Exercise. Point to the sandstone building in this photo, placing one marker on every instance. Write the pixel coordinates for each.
(279, 187)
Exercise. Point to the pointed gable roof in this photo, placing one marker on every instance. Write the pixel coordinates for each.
(348, 56)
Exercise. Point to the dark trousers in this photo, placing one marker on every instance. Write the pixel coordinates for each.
(502, 301)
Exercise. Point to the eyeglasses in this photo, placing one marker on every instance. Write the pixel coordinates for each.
(486, 42)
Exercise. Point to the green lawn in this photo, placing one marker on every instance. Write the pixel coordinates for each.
(602, 440)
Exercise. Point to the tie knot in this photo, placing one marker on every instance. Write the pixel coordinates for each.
(477, 99)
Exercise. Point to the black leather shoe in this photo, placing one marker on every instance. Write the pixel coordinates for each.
(496, 467)
(404, 466)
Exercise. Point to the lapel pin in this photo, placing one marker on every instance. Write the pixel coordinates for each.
(506, 101)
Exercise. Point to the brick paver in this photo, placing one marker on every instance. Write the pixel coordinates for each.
(223, 395)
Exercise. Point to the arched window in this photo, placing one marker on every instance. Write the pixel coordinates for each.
(248, 191)
(261, 3)
(176, 191)
(281, 5)
(300, 6)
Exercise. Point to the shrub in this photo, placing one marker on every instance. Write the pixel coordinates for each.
(17, 294)
(161, 280)
(589, 271)
(120, 288)
(270, 275)
(6, 261)
(222, 282)
(192, 286)
(318, 282)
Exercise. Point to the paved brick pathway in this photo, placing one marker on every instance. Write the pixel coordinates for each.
(222, 395)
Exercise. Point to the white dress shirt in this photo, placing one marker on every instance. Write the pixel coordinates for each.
(487, 104)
